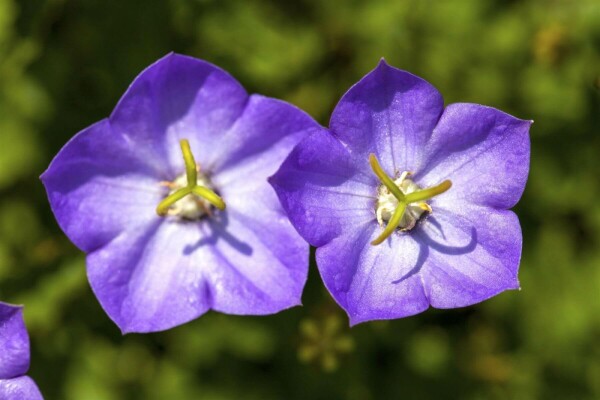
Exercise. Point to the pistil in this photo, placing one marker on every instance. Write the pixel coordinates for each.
(406, 193)
(192, 187)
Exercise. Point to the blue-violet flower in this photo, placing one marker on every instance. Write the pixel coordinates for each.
(14, 356)
(407, 201)
(169, 199)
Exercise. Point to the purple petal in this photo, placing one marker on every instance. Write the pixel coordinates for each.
(373, 282)
(97, 187)
(322, 191)
(150, 273)
(22, 388)
(257, 263)
(171, 272)
(483, 151)
(473, 254)
(180, 97)
(258, 142)
(14, 342)
(390, 113)
(147, 280)
(451, 260)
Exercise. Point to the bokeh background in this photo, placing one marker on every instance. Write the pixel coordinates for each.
(64, 65)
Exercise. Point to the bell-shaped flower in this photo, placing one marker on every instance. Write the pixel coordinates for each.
(407, 201)
(169, 199)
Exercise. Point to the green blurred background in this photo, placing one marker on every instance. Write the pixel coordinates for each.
(65, 63)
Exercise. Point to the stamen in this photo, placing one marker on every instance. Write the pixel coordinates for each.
(163, 207)
(192, 187)
(404, 200)
(190, 164)
(426, 194)
(209, 196)
(392, 224)
(384, 178)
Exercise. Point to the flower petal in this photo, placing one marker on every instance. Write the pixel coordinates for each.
(179, 97)
(22, 388)
(147, 280)
(171, 272)
(258, 263)
(258, 142)
(483, 151)
(450, 260)
(97, 187)
(373, 282)
(390, 113)
(322, 191)
(474, 254)
(14, 342)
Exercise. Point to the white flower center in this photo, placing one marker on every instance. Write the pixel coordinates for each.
(190, 207)
(387, 204)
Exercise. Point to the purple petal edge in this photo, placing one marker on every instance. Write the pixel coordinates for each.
(313, 204)
(21, 388)
(389, 112)
(484, 152)
(14, 342)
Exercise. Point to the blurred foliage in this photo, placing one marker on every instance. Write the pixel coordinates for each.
(65, 63)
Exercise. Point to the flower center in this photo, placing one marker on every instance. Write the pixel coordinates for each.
(387, 204)
(400, 202)
(191, 195)
(189, 207)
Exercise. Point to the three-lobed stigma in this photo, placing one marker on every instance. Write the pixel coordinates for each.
(401, 202)
(191, 196)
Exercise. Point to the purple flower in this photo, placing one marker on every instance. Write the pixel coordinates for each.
(14, 356)
(169, 199)
(429, 225)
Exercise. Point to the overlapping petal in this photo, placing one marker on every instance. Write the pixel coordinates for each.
(257, 143)
(390, 113)
(484, 151)
(21, 388)
(14, 342)
(322, 190)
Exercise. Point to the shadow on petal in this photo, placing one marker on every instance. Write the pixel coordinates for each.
(423, 254)
(426, 242)
(218, 227)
